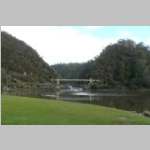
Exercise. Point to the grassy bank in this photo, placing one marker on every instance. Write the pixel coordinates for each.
(36, 111)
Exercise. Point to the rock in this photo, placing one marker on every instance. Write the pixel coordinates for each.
(146, 113)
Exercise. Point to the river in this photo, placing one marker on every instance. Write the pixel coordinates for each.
(137, 100)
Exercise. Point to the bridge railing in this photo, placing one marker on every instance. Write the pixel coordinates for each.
(76, 80)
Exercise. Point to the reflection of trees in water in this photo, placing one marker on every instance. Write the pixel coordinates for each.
(132, 103)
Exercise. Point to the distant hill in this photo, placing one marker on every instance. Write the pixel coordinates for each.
(69, 71)
(75, 70)
(21, 63)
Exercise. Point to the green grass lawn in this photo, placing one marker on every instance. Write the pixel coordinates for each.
(36, 111)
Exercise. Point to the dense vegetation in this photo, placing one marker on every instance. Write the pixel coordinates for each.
(74, 70)
(35, 111)
(124, 64)
(68, 71)
(21, 63)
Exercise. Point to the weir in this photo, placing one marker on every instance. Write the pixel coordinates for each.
(58, 81)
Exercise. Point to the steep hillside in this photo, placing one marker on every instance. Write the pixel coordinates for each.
(21, 63)
(125, 64)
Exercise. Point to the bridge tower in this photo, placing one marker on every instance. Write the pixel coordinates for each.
(58, 88)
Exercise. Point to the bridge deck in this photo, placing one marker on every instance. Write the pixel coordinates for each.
(76, 80)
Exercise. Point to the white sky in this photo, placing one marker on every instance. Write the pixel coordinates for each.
(61, 44)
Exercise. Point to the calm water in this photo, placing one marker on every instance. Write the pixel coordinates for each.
(138, 101)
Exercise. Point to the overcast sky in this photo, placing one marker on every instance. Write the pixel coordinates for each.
(63, 44)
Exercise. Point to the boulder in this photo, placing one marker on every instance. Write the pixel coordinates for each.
(146, 113)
